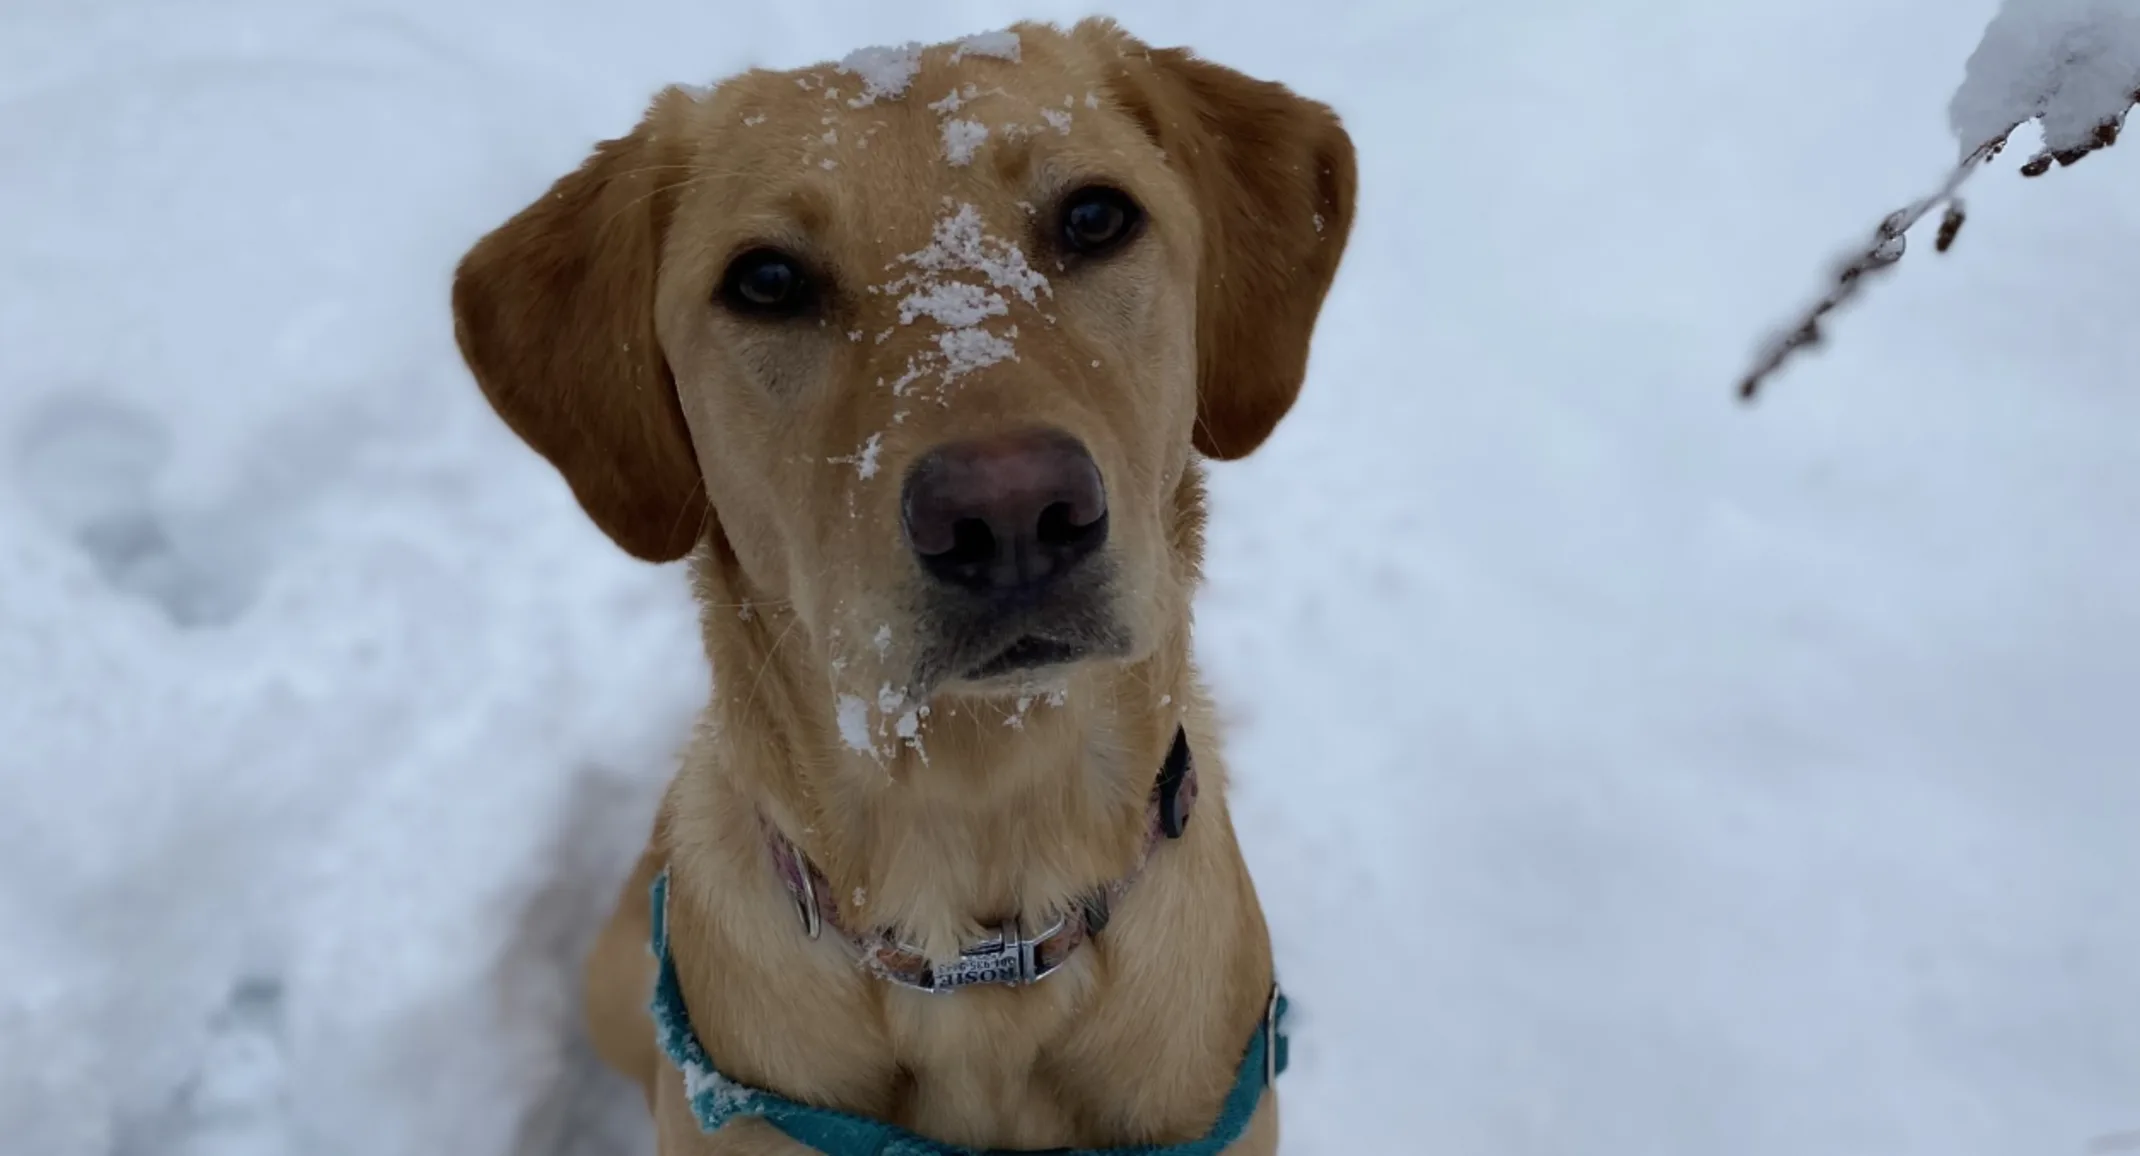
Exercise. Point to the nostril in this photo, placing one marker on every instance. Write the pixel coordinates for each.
(969, 552)
(1061, 529)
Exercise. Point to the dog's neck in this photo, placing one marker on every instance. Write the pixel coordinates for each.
(997, 810)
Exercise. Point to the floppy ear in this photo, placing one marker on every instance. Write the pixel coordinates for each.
(1273, 175)
(554, 313)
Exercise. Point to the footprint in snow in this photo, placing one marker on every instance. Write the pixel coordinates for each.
(235, 1103)
(89, 464)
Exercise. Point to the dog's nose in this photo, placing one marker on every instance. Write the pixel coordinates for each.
(1005, 514)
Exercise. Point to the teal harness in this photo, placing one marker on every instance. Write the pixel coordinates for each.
(716, 1099)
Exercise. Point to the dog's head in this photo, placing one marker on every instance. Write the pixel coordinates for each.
(926, 340)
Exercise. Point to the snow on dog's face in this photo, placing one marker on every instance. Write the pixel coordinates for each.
(925, 342)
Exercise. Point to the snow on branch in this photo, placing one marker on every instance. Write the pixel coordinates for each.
(2073, 66)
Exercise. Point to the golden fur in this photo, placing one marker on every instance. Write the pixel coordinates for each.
(771, 454)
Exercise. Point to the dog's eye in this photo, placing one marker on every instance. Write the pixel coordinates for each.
(766, 282)
(1098, 219)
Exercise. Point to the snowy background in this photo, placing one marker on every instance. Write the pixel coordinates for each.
(1624, 771)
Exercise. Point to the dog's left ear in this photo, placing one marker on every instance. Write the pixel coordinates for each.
(1274, 177)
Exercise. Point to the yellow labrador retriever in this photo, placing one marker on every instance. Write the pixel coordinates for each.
(916, 356)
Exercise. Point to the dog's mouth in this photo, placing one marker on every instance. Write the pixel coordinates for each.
(989, 648)
(1025, 655)
(1016, 661)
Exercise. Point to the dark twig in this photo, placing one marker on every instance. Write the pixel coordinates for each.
(1887, 245)
(1889, 242)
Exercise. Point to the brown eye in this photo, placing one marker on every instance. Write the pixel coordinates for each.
(766, 282)
(1097, 220)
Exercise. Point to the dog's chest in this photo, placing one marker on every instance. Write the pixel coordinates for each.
(988, 1068)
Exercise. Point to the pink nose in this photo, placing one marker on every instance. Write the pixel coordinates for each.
(1005, 514)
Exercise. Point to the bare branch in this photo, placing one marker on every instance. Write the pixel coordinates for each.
(2070, 65)
(1886, 247)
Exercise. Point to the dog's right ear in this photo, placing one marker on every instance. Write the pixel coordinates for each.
(554, 313)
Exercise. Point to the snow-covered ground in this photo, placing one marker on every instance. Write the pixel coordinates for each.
(1624, 770)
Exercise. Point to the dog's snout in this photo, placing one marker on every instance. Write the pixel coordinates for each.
(1005, 514)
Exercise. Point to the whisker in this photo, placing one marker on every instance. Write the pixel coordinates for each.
(751, 699)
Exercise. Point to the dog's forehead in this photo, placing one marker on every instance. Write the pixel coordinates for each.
(1010, 76)
(884, 134)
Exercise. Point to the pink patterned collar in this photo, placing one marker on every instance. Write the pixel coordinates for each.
(1008, 958)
